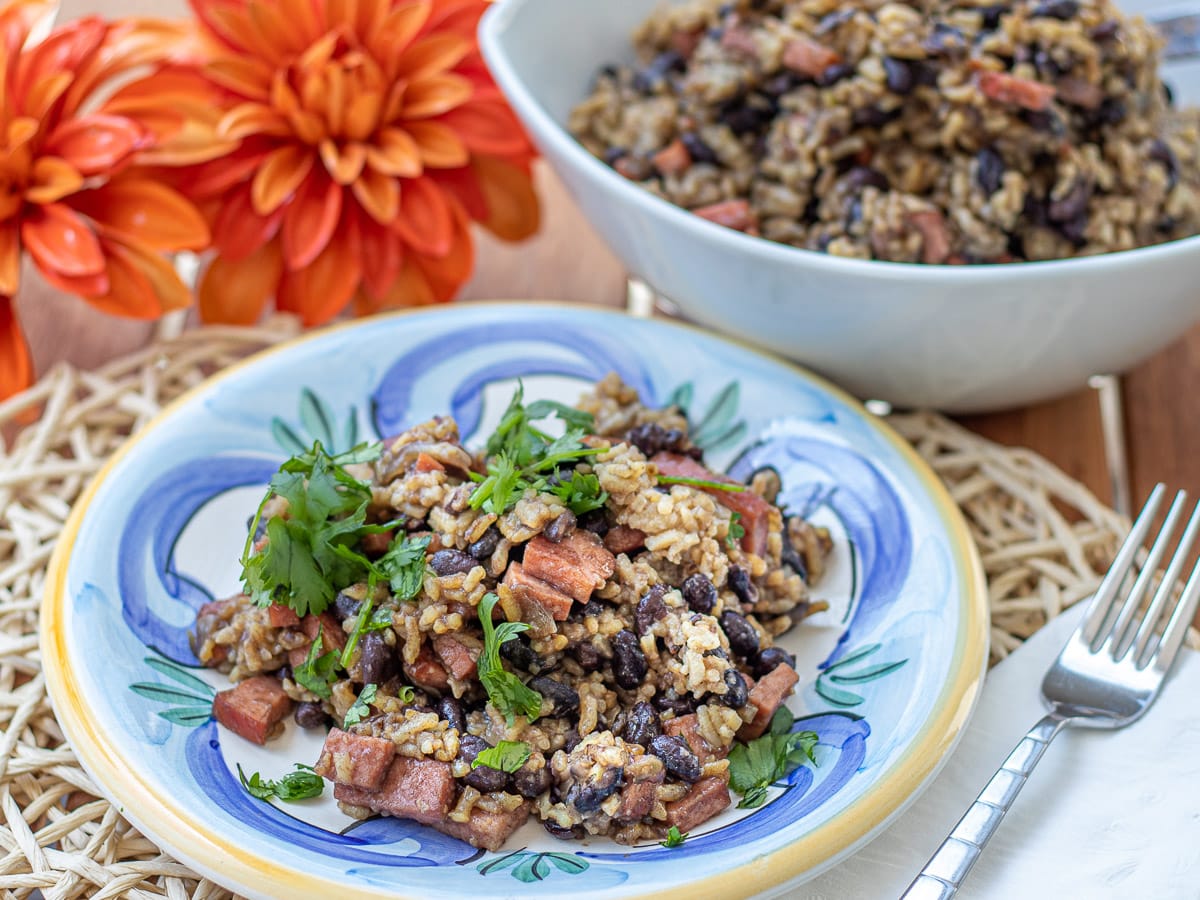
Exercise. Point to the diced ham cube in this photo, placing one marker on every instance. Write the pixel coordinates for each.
(281, 616)
(526, 587)
(931, 225)
(329, 627)
(486, 830)
(688, 727)
(735, 214)
(376, 544)
(685, 42)
(707, 797)
(755, 512)
(739, 40)
(623, 539)
(358, 760)
(576, 565)
(219, 608)
(766, 696)
(460, 659)
(672, 159)
(426, 463)
(637, 799)
(808, 57)
(1005, 88)
(1080, 92)
(253, 708)
(417, 789)
(426, 672)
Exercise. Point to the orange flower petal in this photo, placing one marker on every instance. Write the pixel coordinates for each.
(16, 366)
(53, 179)
(97, 143)
(433, 54)
(513, 212)
(10, 260)
(440, 147)
(344, 164)
(245, 75)
(80, 286)
(66, 49)
(303, 24)
(217, 176)
(459, 16)
(382, 256)
(395, 153)
(148, 212)
(275, 30)
(399, 29)
(361, 116)
(487, 125)
(253, 118)
(279, 176)
(235, 292)
(410, 288)
(362, 17)
(131, 291)
(193, 143)
(59, 240)
(309, 221)
(229, 21)
(446, 274)
(425, 220)
(240, 231)
(378, 194)
(435, 95)
(319, 291)
(45, 92)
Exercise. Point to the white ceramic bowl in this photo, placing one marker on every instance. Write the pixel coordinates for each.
(961, 338)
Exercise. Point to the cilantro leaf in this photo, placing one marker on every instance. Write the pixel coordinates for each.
(501, 489)
(755, 766)
(404, 566)
(506, 756)
(405, 693)
(361, 707)
(318, 671)
(674, 838)
(581, 493)
(702, 483)
(507, 693)
(736, 530)
(574, 418)
(298, 785)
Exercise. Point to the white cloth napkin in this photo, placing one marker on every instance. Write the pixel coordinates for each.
(1105, 814)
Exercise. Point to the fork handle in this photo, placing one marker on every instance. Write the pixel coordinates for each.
(949, 865)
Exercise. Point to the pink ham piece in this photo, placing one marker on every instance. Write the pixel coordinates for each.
(688, 727)
(253, 708)
(358, 760)
(281, 616)
(460, 660)
(622, 539)
(486, 830)
(417, 789)
(526, 587)
(576, 565)
(707, 797)
(766, 696)
(427, 673)
(637, 800)
(755, 512)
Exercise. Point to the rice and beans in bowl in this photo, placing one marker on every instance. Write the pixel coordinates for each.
(946, 131)
(579, 629)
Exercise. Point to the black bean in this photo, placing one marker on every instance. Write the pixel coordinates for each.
(651, 76)
(699, 151)
(1074, 229)
(346, 606)
(309, 715)
(565, 699)
(571, 739)
(699, 593)
(1168, 94)
(521, 655)
(1056, 9)
(725, 9)
(1047, 65)
(562, 527)
(650, 609)
(793, 558)
(629, 663)
(1111, 111)
(679, 706)
(864, 176)
(780, 84)
(586, 655)
(649, 437)
(615, 154)
(1072, 204)
(483, 778)
(991, 15)
(924, 73)
(834, 19)
(377, 662)
(595, 521)
(532, 783)
(737, 694)
(486, 545)
(1035, 210)
(451, 710)
(452, 562)
(899, 74)
(1105, 31)
(742, 585)
(642, 725)
(744, 119)
(677, 757)
(874, 117)
(592, 608)
(835, 73)
(943, 39)
(260, 530)
(609, 71)
(989, 170)
(1046, 120)
(1161, 152)
(563, 834)
(769, 659)
(586, 796)
(284, 673)
(743, 639)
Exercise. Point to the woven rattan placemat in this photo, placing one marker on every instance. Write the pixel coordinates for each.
(1044, 538)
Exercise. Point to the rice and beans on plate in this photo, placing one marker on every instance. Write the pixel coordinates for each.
(943, 131)
(578, 628)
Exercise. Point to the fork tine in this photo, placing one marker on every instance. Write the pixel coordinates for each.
(1177, 627)
(1165, 588)
(1116, 637)
(1102, 600)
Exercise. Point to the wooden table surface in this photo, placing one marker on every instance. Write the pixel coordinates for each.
(567, 261)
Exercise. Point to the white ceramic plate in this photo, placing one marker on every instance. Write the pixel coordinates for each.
(889, 674)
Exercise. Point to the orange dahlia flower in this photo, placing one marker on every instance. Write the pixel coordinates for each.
(368, 135)
(93, 224)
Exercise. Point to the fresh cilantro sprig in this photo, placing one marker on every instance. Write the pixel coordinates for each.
(674, 838)
(506, 691)
(368, 619)
(361, 707)
(755, 766)
(319, 670)
(737, 531)
(580, 493)
(506, 756)
(299, 785)
(702, 483)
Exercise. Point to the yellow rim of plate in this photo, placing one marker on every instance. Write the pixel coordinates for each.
(187, 837)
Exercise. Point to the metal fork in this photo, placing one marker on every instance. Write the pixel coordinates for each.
(1106, 676)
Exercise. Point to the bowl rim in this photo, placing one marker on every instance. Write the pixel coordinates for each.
(498, 21)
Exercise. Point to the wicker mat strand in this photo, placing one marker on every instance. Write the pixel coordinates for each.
(1045, 540)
